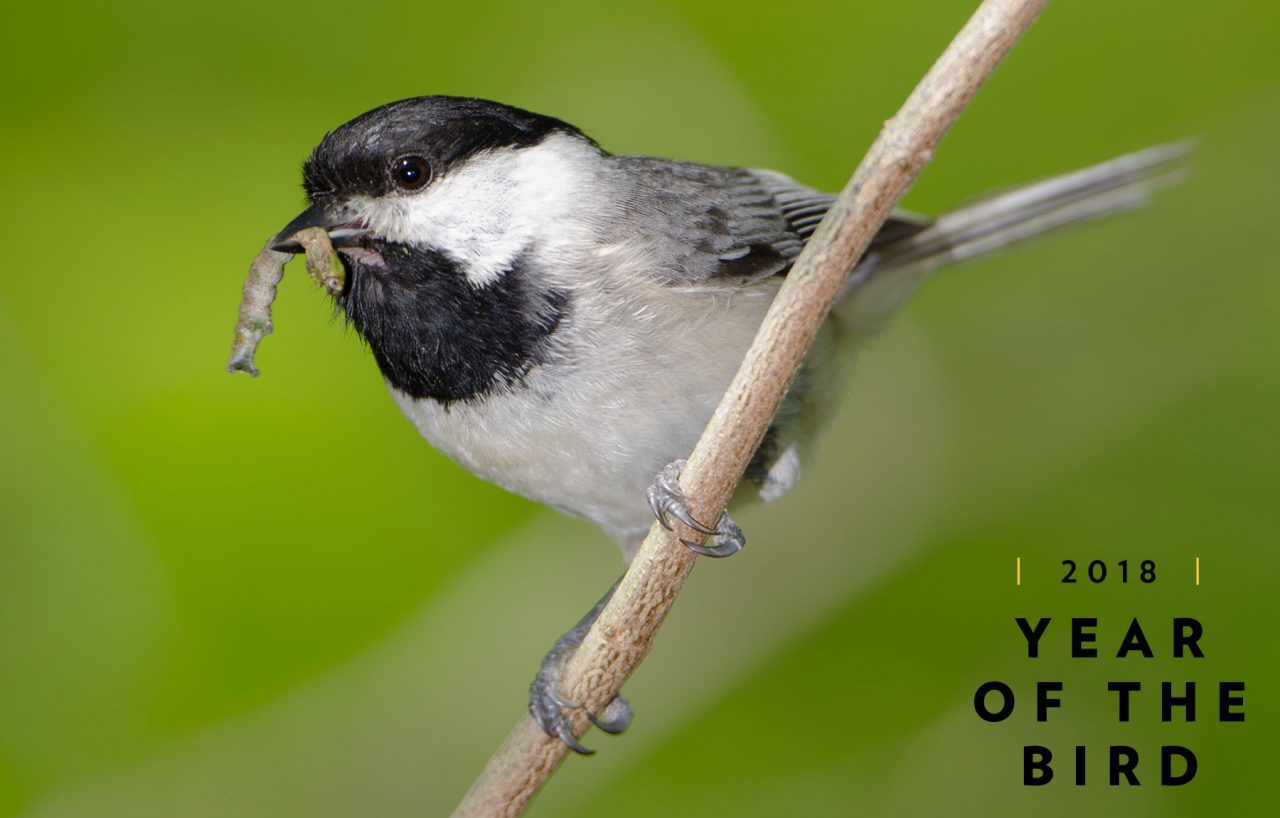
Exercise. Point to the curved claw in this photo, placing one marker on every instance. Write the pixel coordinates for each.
(544, 706)
(667, 500)
(681, 512)
(615, 717)
(727, 541)
(566, 735)
(655, 503)
(562, 701)
(718, 551)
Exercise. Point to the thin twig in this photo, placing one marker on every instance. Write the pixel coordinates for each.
(622, 634)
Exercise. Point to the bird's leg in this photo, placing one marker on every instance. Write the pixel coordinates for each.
(545, 703)
(667, 500)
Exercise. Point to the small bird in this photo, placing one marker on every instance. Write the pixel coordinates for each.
(563, 321)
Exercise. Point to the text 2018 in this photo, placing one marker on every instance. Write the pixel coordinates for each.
(1096, 571)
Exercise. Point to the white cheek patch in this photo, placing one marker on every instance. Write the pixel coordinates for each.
(489, 210)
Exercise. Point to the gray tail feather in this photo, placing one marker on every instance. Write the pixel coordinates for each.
(887, 275)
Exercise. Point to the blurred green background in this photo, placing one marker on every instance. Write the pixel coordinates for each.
(270, 598)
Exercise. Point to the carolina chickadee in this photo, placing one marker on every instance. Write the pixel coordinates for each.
(563, 321)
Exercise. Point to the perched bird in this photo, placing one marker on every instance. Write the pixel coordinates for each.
(563, 321)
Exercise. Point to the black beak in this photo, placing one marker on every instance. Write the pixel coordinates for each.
(343, 231)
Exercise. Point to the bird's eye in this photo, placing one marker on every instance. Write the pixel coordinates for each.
(411, 172)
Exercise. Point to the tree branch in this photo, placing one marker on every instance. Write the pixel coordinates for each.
(621, 636)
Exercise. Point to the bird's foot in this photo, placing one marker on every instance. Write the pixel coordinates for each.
(667, 501)
(547, 706)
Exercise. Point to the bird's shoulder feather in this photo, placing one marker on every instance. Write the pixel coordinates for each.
(723, 226)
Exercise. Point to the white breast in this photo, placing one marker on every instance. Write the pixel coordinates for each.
(643, 369)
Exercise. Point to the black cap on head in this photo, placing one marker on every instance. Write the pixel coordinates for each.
(359, 157)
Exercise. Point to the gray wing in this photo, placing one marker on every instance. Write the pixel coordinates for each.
(712, 224)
